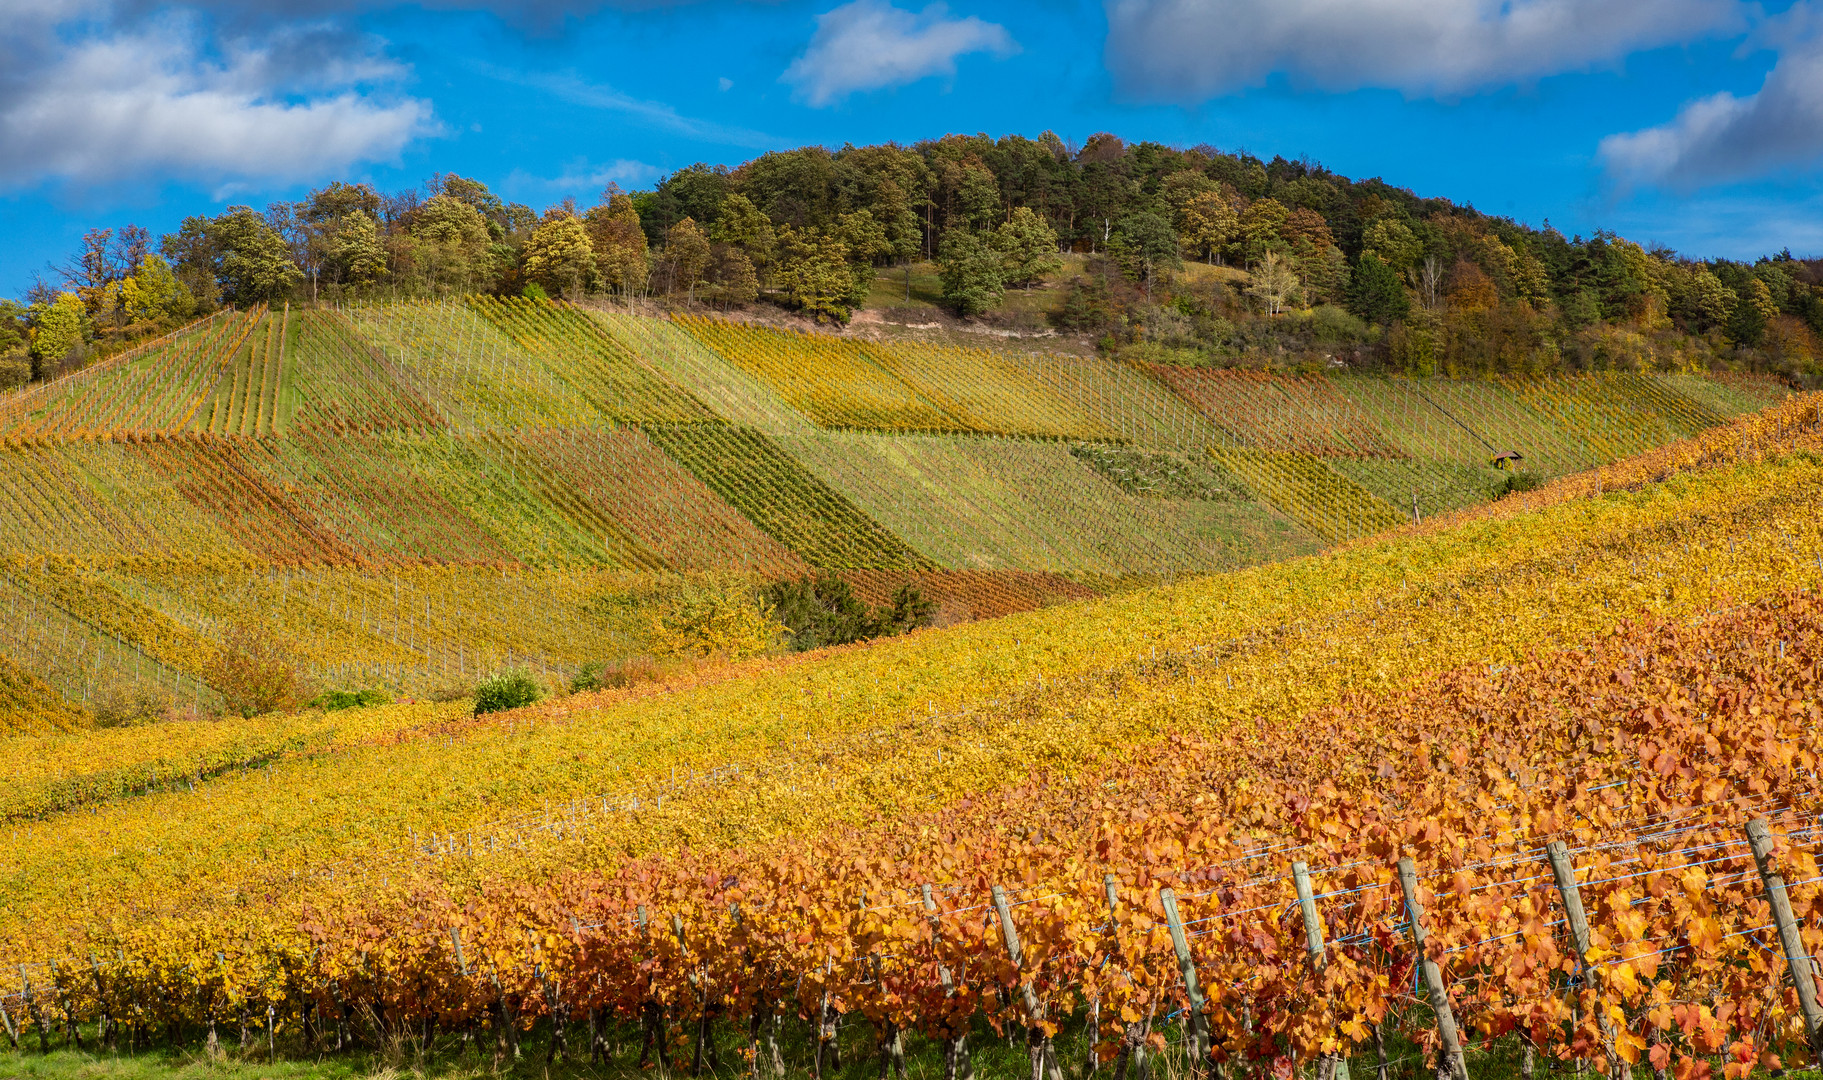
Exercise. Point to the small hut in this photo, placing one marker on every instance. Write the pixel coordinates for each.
(1506, 459)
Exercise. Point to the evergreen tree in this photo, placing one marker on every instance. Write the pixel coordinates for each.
(1145, 244)
(1376, 292)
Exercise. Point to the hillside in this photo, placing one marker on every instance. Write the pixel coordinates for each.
(1623, 660)
(411, 496)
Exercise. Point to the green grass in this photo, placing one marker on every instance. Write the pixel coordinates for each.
(454, 1056)
(887, 294)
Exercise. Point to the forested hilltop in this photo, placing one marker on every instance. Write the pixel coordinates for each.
(1191, 257)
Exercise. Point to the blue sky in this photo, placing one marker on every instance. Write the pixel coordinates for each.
(1693, 123)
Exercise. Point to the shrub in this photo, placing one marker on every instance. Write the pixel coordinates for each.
(1521, 481)
(587, 678)
(711, 616)
(127, 704)
(824, 610)
(336, 700)
(910, 611)
(510, 689)
(615, 674)
(1336, 326)
(254, 674)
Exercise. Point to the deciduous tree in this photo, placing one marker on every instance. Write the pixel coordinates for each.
(687, 256)
(1274, 283)
(971, 266)
(1028, 248)
(558, 256)
(1209, 223)
(58, 332)
(252, 261)
(154, 294)
(619, 243)
(452, 242)
(814, 275)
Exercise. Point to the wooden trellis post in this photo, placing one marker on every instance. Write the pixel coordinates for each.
(1196, 1037)
(957, 1064)
(1565, 873)
(12, 1033)
(1133, 1036)
(1332, 1066)
(33, 1012)
(1797, 961)
(1433, 975)
(1038, 1044)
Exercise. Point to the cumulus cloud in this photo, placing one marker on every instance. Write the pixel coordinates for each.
(108, 99)
(1724, 137)
(1192, 50)
(869, 45)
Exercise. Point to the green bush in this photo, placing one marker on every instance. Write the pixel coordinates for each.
(335, 700)
(1336, 326)
(15, 369)
(1521, 481)
(824, 610)
(909, 611)
(509, 689)
(587, 678)
(596, 675)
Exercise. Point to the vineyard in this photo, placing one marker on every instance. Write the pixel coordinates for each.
(415, 456)
(1529, 785)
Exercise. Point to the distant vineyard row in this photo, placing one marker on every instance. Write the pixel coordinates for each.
(377, 476)
(515, 363)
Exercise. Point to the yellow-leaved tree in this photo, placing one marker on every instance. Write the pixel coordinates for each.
(713, 616)
(559, 256)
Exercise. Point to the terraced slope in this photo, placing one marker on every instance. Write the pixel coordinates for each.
(327, 451)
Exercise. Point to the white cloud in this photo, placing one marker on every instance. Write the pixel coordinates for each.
(114, 102)
(869, 45)
(1723, 137)
(1191, 50)
(582, 179)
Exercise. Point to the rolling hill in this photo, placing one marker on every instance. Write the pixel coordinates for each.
(413, 495)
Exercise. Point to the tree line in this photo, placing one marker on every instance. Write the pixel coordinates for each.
(1184, 255)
